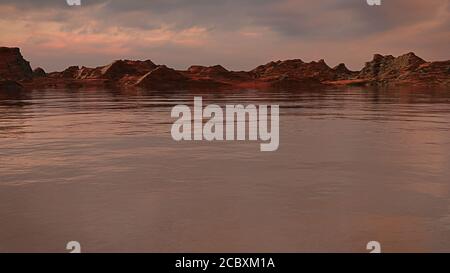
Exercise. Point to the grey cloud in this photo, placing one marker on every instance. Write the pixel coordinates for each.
(305, 19)
(349, 18)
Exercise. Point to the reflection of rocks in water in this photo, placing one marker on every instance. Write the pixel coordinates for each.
(14, 112)
(15, 99)
(10, 86)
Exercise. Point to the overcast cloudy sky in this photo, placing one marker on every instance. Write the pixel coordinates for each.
(240, 34)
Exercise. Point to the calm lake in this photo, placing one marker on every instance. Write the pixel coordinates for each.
(100, 167)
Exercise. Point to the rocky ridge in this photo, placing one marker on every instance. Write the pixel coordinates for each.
(407, 69)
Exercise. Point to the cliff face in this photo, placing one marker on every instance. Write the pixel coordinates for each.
(407, 69)
(13, 66)
(437, 73)
(388, 67)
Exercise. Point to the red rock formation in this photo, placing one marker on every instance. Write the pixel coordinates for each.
(407, 69)
(217, 74)
(208, 71)
(164, 78)
(295, 70)
(343, 73)
(13, 66)
(121, 68)
(70, 73)
(114, 71)
(432, 73)
(161, 77)
(39, 72)
(389, 67)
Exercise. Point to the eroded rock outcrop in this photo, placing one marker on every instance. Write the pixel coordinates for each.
(432, 73)
(343, 73)
(295, 70)
(39, 73)
(208, 71)
(407, 69)
(389, 67)
(162, 77)
(13, 66)
(122, 68)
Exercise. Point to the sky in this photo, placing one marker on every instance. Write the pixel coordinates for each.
(239, 34)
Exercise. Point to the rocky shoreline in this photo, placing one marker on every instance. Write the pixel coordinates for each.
(408, 69)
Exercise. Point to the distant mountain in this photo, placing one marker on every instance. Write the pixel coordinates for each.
(407, 69)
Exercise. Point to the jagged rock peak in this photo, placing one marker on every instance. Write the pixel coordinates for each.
(389, 67)
(13, 66)
(39, 72)
(341, 68)
(410, 59)
(120, 68)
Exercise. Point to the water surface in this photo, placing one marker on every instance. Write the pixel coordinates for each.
(100, 167)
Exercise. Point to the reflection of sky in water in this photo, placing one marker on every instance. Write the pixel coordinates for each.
(100, 167)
